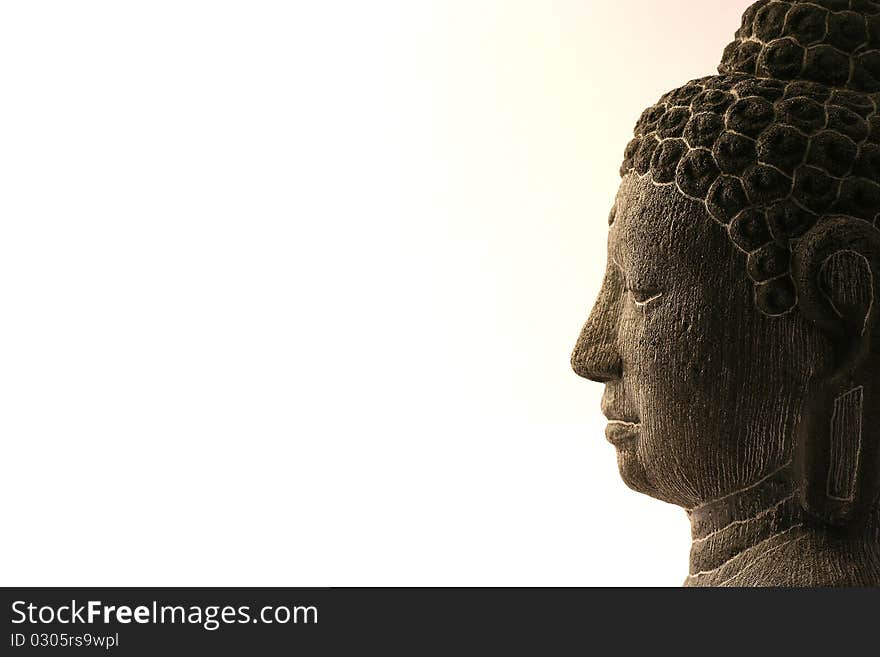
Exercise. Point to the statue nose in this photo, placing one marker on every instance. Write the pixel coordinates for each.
(596, 356)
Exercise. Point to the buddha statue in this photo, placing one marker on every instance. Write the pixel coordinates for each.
(737, 331)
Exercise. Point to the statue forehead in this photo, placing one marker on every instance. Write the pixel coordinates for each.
(655, 226)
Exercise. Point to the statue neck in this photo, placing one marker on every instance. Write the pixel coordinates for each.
(754, 519)
(761, 536)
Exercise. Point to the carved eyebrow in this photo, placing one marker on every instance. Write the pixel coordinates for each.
(616, 253)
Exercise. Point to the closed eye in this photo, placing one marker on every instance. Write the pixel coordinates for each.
(644, 297)
(640, 296)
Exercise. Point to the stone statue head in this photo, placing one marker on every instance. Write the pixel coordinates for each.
(737, 330)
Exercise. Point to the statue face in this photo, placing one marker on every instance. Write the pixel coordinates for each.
(702, 390)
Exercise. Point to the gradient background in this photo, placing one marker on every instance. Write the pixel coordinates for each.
(290, 288)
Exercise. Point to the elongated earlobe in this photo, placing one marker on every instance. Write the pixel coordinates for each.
(845, 445)
(838, 433)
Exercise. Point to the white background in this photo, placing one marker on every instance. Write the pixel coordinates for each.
(289, 289)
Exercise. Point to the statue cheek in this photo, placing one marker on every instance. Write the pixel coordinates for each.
(693, 374)
(656, 337)
(673, 353)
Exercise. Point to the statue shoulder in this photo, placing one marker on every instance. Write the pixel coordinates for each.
(807, 559)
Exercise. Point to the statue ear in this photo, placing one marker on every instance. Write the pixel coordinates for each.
(836, 268)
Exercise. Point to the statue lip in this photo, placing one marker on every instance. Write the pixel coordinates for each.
(622, 432)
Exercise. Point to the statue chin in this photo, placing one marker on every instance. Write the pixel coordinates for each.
(737, 317)
(633, 472)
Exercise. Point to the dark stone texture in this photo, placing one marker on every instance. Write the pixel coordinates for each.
(833, 5)
(855, 102)
(642, 159)
(703, 129)
(847, 31)
(769, 20)
(649, 119)
(866, 76)
(874, 129)
(768, 262)
(812, 90)
(726, 198)
(744, 56)
(815, 189)
(666, 158)
(712, 100)
(766, 88)
(846, 122)
(832, 152)
(859, 198)
(787, 220)
(734, 152)
(873, 31)
(783, 147)
(750, 116)
(803, 113)
(749, 230)
(782, 59)
(673, 122)
(806, 24)
(696, 172)
(765, 184)
(827, 65)
(867, 163)
(776, 297)
(736, 331)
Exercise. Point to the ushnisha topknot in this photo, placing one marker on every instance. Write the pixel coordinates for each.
(788, 132)
(832, 42)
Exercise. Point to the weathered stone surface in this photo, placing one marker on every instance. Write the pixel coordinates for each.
(736, 332)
